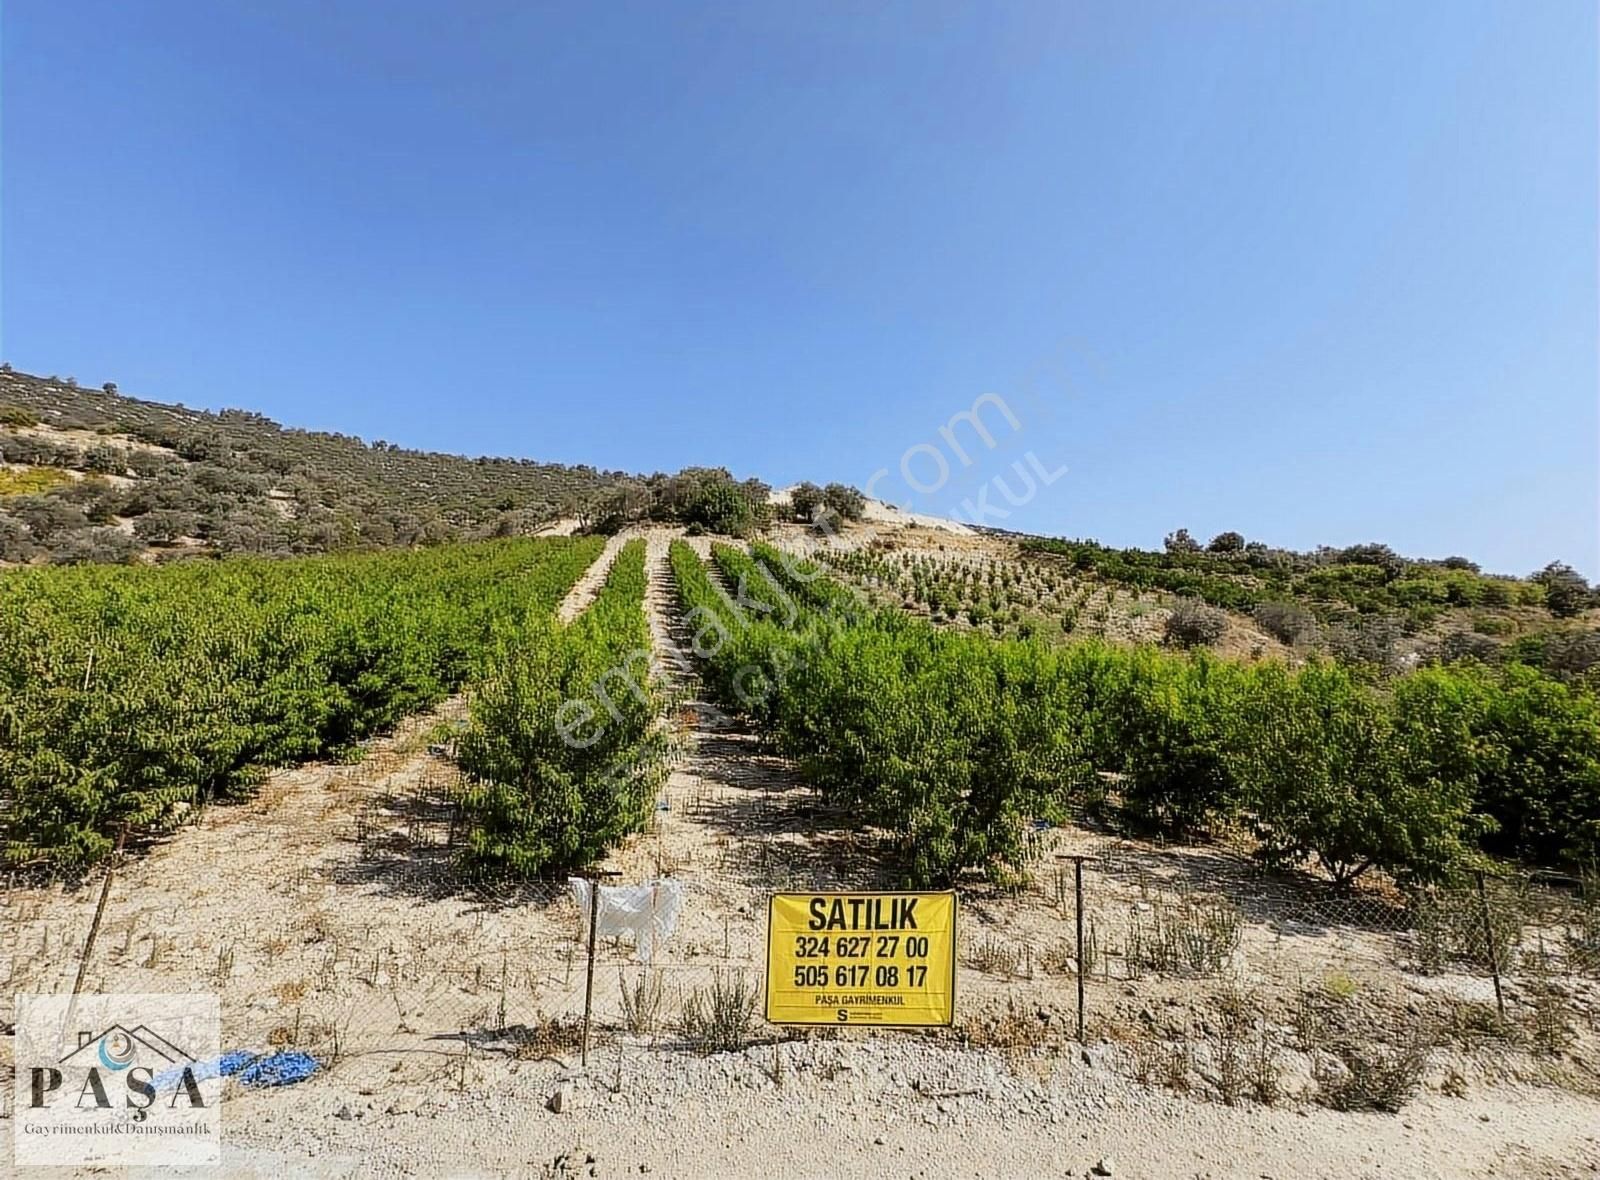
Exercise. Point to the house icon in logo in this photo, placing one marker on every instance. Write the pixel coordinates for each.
(118, 1047)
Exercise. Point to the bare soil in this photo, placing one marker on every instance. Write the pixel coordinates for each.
(329, 913)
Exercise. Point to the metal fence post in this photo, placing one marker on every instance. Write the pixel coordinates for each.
(1493, 951)
(594, 925)
(100, 906)
(1082, 966)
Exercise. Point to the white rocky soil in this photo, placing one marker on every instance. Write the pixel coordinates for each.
(326, 911)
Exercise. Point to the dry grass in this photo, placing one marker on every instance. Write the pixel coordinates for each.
(642, 1001)
(290, 991)
(1020, 1034)
(548, 1036)
(1375, 1077)
(717, 1018)
(1192, 935)
(994, 957)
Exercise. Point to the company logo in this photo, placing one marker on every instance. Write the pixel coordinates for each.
(117, 1080)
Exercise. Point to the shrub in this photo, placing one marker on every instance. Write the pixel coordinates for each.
(1466, 645)
(164, 526)
(1365, 639)
(17, 416)
(1373, 1076)
(16, 542)
(105, 459)
(48, 517)
(1569, 654)
(562, 755)
(641, 1001)
(1229, 542)
(718, 1018)
(1192, 624)
(108, 545)
(1287, 623)
(1194, 935)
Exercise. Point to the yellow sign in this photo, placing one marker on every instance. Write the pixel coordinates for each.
(884, 959)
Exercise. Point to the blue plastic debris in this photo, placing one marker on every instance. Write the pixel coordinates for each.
(281, 1069)
(225, 1066)
(234, 1060)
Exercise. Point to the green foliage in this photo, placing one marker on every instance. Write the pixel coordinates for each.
(1179, 541)
(846, 501)
(31, 480)
(1566, 593)
(954, 741)
(1536, 743)
(1326, 770)
(262, 488)
(1161, 724)
(724, 508)
(127, 693)
(1236, 575)
(804, 500)
(705, 499)
(562, 755)
(950, 742)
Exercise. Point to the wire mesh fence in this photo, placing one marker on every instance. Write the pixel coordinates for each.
(1195, 970)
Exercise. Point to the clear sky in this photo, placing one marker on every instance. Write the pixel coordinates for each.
(1322, 273)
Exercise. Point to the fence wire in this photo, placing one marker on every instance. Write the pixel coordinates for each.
(1197, 972)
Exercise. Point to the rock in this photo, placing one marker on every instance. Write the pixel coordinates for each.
(344, 1112)
(1103, 1168)
(560, 1099)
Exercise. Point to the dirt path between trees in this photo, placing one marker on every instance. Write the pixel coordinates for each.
(328, 913)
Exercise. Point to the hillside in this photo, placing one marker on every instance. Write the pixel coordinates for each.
(1364, 607)
(91, 475)
(94, 476)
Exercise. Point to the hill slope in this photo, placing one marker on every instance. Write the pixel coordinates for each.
(92, 475)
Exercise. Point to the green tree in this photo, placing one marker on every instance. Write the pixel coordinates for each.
(845, 500)
(1327, 770)
(1566, 593)
(804, 501)
(1180, 541)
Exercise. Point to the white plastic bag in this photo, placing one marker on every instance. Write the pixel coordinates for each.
(649, 912)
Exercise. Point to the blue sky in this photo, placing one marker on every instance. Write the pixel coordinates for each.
(1321, 273)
